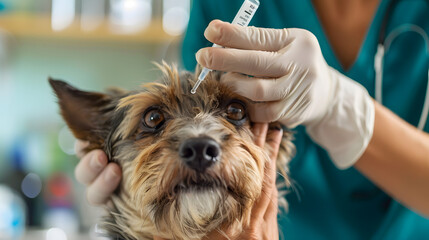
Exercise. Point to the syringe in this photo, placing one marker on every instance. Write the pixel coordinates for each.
(242, 18)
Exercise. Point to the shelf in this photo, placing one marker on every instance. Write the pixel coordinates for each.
(39, 26)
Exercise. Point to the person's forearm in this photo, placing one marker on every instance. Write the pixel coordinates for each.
(397, 160)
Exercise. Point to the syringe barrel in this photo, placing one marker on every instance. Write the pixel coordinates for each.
(246, 12)
(242, 18)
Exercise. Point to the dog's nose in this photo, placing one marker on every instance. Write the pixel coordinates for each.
(199, 153)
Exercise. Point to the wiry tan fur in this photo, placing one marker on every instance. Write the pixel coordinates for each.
(157, 195)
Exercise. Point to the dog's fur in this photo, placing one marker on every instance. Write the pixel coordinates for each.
(160, 195)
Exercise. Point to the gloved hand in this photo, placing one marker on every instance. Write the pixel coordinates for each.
(293, 84)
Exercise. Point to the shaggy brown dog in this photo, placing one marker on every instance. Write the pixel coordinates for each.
(189, 162)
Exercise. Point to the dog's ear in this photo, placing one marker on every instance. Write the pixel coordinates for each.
(86, 113)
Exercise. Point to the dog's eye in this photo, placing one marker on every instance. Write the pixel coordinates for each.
(235, 112)
(153, 118)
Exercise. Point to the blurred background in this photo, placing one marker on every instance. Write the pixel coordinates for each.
(92, 44)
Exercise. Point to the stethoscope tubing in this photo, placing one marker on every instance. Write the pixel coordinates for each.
(384, 46)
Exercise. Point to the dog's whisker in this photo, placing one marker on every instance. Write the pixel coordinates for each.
(283, 176)
(296, 189)
(223, 233)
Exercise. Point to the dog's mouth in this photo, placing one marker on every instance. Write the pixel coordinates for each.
(197, 185)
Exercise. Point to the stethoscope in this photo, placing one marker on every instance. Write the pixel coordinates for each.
(384, 43)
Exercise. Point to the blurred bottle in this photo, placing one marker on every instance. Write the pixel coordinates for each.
(175, 16)
(129, 16)
(60, 210)
(27, 185)
(3, 6)
(12, 214)
(7, 5)
(62, 14)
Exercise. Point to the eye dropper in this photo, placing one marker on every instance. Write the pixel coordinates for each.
(242, 18)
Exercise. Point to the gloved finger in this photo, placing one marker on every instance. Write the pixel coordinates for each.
(256, 89)
(287, 111)
(250, 62)
(259, 131)
(104, 185)
(274, 138)
(252, 38)
(273, 207)
(267, 89)
(90, 166)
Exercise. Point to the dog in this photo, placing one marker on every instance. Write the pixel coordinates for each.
(189, 162)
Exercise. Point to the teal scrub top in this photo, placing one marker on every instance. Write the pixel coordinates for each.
(328, 203)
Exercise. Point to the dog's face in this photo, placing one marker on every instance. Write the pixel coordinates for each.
(189, 162)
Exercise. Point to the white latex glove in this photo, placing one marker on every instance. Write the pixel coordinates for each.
(293, 84)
